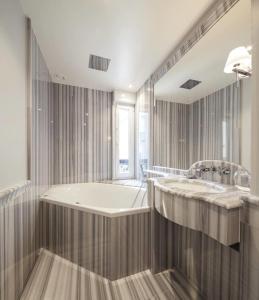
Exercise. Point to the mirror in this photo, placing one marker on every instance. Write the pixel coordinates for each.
(200, 111)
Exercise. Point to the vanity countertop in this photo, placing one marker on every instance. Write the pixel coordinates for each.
(252, 199)
(228, 196)
(200, 205)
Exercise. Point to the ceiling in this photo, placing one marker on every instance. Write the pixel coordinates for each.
(136, 35)
(206, 60)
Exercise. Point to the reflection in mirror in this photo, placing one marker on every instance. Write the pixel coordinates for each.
(202, 112)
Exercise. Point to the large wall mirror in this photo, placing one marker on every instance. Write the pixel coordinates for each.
(201, 112)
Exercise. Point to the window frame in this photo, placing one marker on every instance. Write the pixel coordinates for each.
(131, 136)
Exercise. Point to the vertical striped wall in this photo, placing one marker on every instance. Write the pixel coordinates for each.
(19, 239)
(213, 268)
(218, 271)
(82, 134)
(209, 118)
(111, 247)
(171, 135)
(184, 134)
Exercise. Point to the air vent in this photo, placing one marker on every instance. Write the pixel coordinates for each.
(99, 63)
(190, 84)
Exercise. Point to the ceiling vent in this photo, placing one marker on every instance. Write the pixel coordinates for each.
(190, 84)
(99, 63)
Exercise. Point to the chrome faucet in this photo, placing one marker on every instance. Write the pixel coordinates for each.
(200, 170)
(224, 170)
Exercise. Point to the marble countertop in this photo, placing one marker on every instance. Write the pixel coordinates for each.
(250, 199)
(230, 198)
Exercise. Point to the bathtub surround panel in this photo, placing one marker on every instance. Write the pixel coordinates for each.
(19, 246)
(111, 247)
(82, 134)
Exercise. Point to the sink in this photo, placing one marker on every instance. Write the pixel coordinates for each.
(208, 207)
(192, 185)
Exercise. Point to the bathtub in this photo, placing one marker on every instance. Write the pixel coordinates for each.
(104, 228)
(110, 200)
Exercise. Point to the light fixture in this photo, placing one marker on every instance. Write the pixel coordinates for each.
(130, 86)
(240, 62)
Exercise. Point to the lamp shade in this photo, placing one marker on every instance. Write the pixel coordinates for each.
(238, 57)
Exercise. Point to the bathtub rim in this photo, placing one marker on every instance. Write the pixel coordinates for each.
(113, 213)
(103, 211)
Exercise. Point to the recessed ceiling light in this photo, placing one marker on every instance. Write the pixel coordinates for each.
(130, 86)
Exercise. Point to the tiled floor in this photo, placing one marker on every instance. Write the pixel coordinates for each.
(55, 278)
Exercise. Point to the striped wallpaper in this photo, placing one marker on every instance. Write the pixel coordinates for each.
(82, 134)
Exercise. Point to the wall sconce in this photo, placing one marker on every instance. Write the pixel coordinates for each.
(239, 62)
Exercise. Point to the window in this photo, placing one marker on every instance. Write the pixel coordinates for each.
(124, 141)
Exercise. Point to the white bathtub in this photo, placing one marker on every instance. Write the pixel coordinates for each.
(109, 200)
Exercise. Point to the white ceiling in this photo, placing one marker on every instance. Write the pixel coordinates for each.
(136, 35)
(206, 60)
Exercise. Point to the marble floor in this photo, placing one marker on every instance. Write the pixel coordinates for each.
(55, 278)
